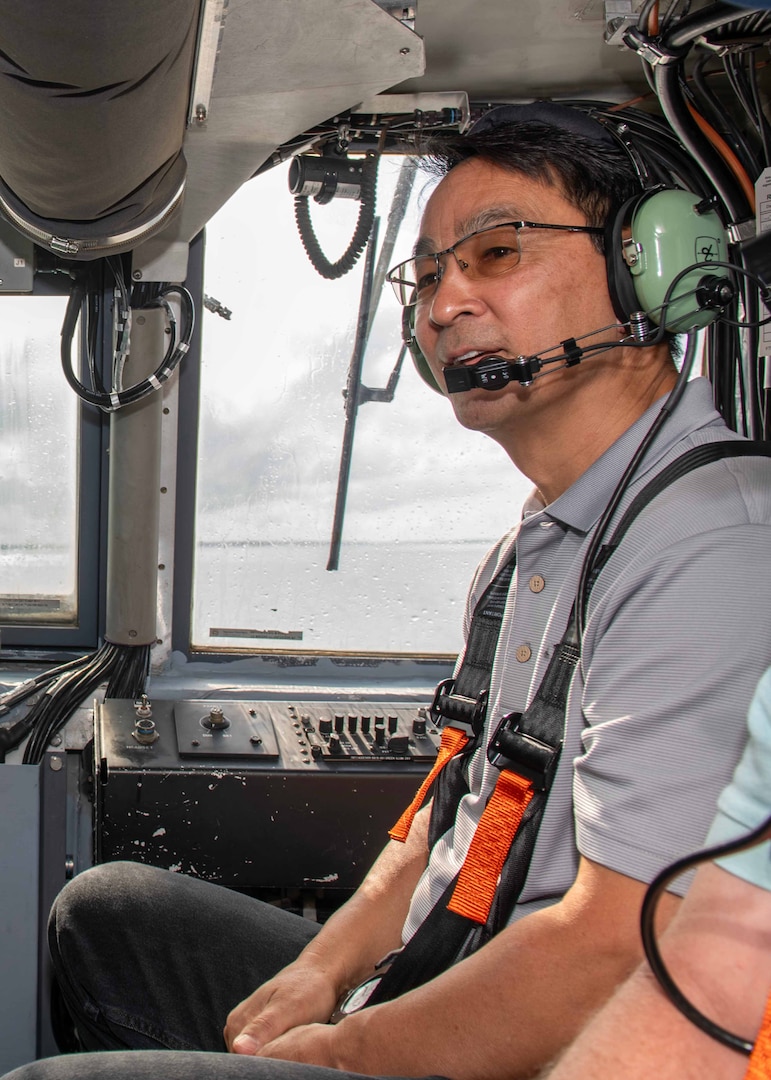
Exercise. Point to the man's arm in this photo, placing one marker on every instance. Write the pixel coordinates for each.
(342, 954)
(718, 951)
(507, 1009)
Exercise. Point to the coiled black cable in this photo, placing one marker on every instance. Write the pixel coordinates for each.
(346, 262)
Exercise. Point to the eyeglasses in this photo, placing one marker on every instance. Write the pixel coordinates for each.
(486, 253)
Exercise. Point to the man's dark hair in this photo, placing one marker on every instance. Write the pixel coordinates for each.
(595, 175)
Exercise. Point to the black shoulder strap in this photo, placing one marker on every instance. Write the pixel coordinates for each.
(462, 702)
(691, 459)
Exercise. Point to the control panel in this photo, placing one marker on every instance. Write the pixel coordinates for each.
(257, 793)
(320, 732)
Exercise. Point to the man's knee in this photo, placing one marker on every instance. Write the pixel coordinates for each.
(110, 887)
(104, 903)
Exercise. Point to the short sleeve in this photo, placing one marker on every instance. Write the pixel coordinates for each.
(746, 801)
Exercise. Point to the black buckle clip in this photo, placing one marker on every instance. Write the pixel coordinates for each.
(454, 710)
(525, 755)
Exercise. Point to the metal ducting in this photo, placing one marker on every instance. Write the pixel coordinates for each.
(94, 100)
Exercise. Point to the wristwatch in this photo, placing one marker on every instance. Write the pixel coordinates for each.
(355, 999)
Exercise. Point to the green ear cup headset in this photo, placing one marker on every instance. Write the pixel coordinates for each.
(649, 246)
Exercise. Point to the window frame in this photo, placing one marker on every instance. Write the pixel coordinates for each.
(33, 641)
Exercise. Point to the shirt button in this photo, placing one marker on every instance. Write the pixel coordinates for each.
(537, 583)
(523, 653)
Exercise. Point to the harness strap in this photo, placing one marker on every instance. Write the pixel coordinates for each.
(461, 705)
(452, 742)
(478, 878)
(759, 1067)
(691, 459)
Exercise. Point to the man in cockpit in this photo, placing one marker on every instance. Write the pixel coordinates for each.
(674, 635)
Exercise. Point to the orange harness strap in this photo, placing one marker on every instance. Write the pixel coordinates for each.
(759, 1067)
(478, 878)
(453, 741)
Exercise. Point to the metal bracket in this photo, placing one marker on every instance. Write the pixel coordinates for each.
(619, 17)
(738, 231)
(209, 36)
(405, 13)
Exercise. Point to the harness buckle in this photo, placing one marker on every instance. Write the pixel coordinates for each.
(522, 753)
(465, 713)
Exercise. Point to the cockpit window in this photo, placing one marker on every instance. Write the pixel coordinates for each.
(404, 519)
(39, 441)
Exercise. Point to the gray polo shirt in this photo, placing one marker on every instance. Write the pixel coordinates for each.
(677, 636)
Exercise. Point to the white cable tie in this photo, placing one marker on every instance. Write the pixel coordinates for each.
(115, 400)
(183, 347)
(155, 383)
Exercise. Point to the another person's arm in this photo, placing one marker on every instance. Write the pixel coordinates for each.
(718, 951)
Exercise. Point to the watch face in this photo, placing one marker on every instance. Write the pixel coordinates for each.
(355, 999)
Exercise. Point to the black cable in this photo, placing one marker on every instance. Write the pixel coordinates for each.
(764, 129)
(647, 922)
(577, 631)
(116, 399)
(346, 262)
(62, 698)
(713, 110)
(130, 672)
(670, 94)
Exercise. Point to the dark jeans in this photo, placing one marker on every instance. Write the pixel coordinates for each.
(149, 960)
(179, 1065)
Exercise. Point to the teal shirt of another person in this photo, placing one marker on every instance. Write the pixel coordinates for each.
(746, 802)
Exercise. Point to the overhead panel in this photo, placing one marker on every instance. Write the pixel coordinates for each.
(526, 49)
(280, 69)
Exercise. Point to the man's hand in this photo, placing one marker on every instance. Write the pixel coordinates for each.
(298, 995)
(341, 955)
(313, 1044)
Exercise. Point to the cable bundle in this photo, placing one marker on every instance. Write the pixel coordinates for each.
(85, 298)
(62, 689)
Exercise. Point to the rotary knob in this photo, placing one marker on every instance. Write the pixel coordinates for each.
(216, 720)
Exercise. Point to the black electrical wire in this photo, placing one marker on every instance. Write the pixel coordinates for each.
(61, 699)
(672, 12)
(670, 95)
(130, 672)
(647, 921)
(670, 79)
(764, 129)
(122, 667)
(117, 398)
(582, 593)
(713, 110)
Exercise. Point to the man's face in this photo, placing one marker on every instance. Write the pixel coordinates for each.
(557, 291)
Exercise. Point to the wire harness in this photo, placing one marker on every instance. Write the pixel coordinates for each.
(84, 302)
